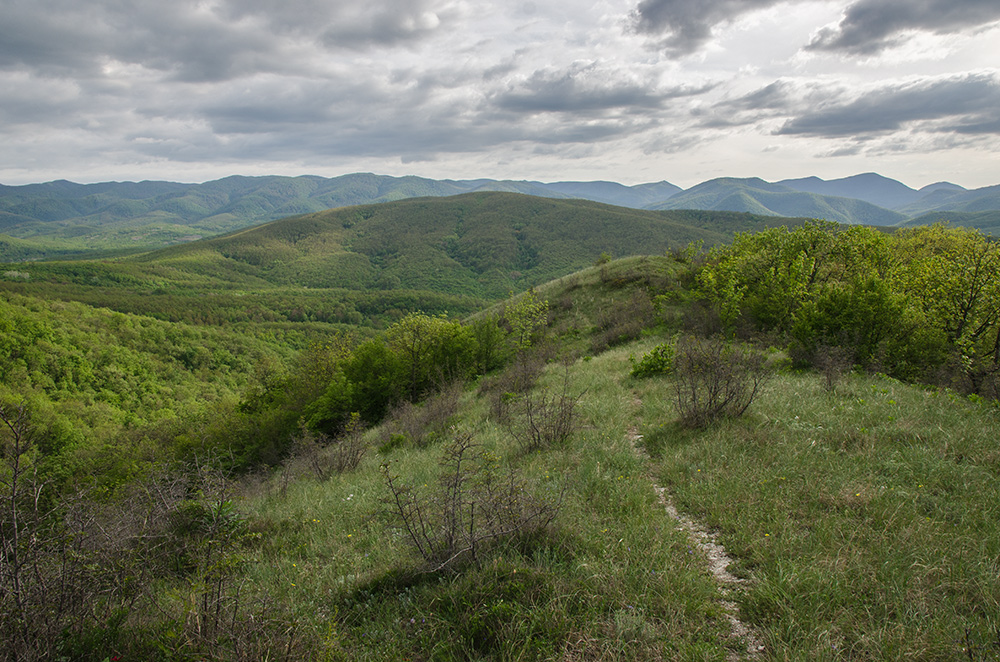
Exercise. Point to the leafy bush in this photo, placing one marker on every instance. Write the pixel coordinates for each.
(657, 361)
(716, 379)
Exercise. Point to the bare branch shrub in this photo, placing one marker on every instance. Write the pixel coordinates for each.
(542, 419)
(476, 504)
(716, 379)
(322, 455)
(518, 378)
(833, 363)
(623, 321)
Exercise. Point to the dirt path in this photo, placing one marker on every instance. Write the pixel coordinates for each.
(718, 563)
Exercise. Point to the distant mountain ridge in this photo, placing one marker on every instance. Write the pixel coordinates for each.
(759, 197)
(62, 216)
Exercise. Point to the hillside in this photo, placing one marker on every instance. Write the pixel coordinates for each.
(482, 244)
(368, 264)
(759, 197)
(974, 201)
(869, 187)
(152, 214)
(67, 219)
(556, 507)
(986, 221)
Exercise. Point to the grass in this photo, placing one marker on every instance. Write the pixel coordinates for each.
(613, 579)
(863, 515)
(866, 518)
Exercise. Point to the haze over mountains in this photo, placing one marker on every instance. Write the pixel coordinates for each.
(61, 216)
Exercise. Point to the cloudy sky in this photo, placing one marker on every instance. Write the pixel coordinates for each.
(625, 90)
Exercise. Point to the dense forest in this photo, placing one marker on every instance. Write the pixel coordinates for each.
(183, 430)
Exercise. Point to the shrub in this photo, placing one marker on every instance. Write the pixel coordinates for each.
(475, 504)
(542, 419)
(419, 425)
(518, 378)
(716, 379)
(623, 322)
(323, 455)
(657, 361)
(833, 363)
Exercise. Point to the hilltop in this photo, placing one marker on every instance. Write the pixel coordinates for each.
(545, 505)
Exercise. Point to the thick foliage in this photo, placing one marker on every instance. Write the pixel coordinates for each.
(922, 304)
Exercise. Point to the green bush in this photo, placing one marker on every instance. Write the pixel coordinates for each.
(657, 361)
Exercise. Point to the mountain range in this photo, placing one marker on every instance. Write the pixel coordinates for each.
(62, 217)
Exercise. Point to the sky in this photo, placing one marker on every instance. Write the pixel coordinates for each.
(630, 91)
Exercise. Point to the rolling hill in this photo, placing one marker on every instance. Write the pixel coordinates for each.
(63, 218)
(870, 187)
(154, 214)
(476, 244)
(359, 264)
(975, 201)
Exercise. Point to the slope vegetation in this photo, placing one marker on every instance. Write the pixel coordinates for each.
(860, 517)
(154, 214)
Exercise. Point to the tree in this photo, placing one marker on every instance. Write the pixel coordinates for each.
(954, 276)
(524, 318)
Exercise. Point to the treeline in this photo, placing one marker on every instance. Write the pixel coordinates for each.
(219, 307)
(920, 304)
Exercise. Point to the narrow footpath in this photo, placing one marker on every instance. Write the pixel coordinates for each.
(748, 645)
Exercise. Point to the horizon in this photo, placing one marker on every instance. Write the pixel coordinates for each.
(474, 178)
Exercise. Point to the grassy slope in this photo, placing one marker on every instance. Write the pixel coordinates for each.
(987, 222)
(865, 519)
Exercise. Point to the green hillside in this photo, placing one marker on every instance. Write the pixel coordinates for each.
(985, 221)
(372, 263)
(686, 456)
(154, 214)
(974, 201)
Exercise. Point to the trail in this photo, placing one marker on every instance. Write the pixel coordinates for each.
(718, 561)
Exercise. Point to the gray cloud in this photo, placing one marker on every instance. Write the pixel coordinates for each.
(968, 103)
(870, 26)
(146, 87)
(684, 26)
(195, 41)
(587, 89)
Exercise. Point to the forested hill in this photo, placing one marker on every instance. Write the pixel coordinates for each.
(481, 244)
